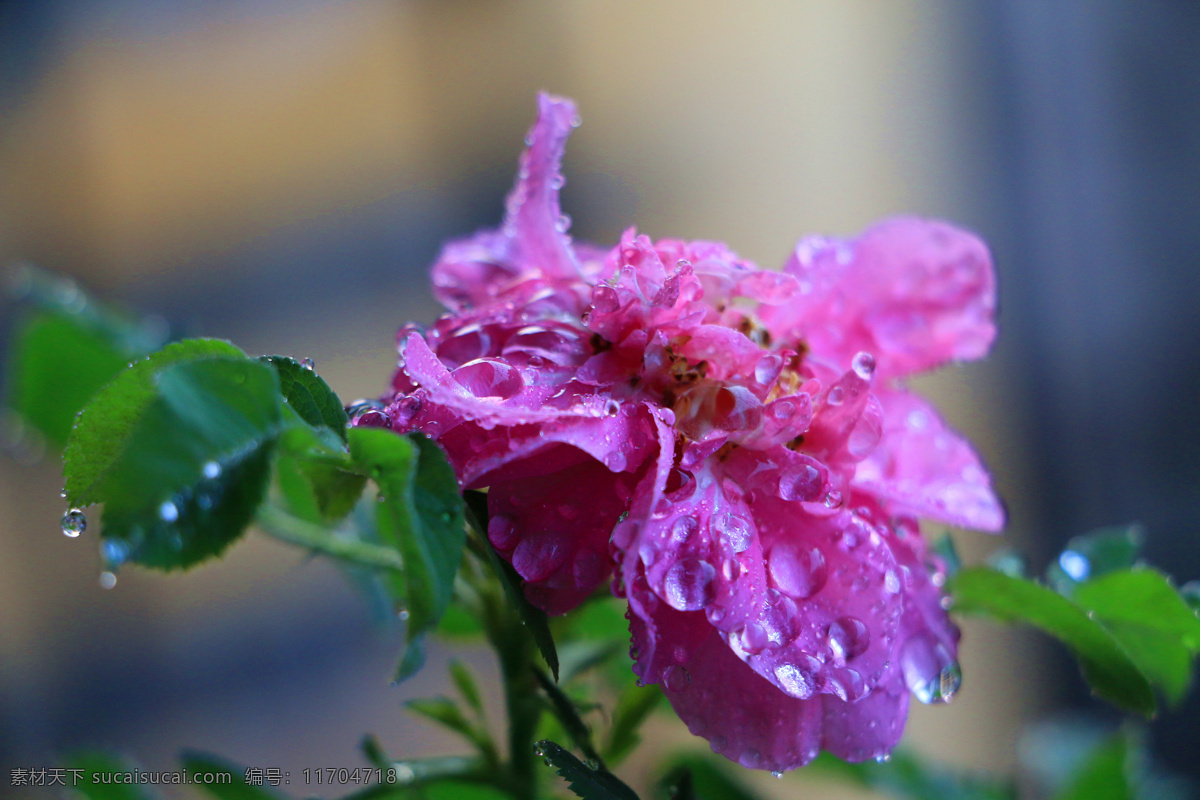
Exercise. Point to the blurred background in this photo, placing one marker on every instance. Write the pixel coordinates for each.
(282, 173)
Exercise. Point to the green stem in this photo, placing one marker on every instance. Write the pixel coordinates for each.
(515, 649)
(283, 526)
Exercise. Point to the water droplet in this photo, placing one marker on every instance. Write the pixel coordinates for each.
(847, 637)
(489, 378)
(835, 396)
(402, 615)
(683, 529)
(753, 638)
(615, 461)
(688, 585)
(776, 773)
(74, 523)
(212, 470)
(749, 758)
(734, 529)
(847, 684)
(798, 570)
(767, 369)
(676, 678)
(883, 758)
(930, 672)
(114, 552)
(833, 499)
(368, 414)
(404, 773)
(795, 681)
(863, 364)
(804, 484)
(107, 580)
(308, 364)
(168, 512)
(563, 223)
(611, 408)
(1076, 565)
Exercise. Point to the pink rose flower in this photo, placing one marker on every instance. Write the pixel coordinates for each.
(731, 446)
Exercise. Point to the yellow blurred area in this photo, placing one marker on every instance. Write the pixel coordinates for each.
(138, 155)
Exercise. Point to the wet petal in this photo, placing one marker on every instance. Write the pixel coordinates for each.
(743, 716)
(868, 728)
(532, 248)
(914, 292)
(554, 530)
(925, 468)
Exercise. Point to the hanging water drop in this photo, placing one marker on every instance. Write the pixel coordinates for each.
(883, 758)
(74, 523)
(308, 364)
(212, 470)
(107, 580)
(776, 773)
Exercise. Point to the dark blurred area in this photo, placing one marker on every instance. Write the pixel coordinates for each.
(282, 174)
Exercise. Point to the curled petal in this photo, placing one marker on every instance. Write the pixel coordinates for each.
(533, 242)
(914, 292)
(925, 468)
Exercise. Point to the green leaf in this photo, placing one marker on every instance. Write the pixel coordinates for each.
(446, 712)
(1095, 554)
(1106, 665)
(1146, 615)
(466, 684)
(104, 425)
(581, 656)
(309, 395)
(57, 364)
(568, 716)
(420, 513)
(234, 787)
(634, 706)
(910, 777)
(195, 465)
(534, 618)
(316, 476)
(707, 781)
(585, 782)
(1105, 775)
(101, 763)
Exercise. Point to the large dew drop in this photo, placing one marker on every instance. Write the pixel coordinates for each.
(676, 678)
(930, 672)
(797, 569)
(847, 638)
(689, 584)
(74, 523)
(489, 378)
(795, 681)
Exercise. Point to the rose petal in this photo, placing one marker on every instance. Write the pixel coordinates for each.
(914, 292)
(927, 469)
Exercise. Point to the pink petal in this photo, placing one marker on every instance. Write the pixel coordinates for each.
(923, 467)
(868, 728)
(913, 292)
(744, 717)
(554, 530)
(533, 243)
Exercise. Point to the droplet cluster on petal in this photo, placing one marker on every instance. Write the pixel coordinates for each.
(729, 445)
